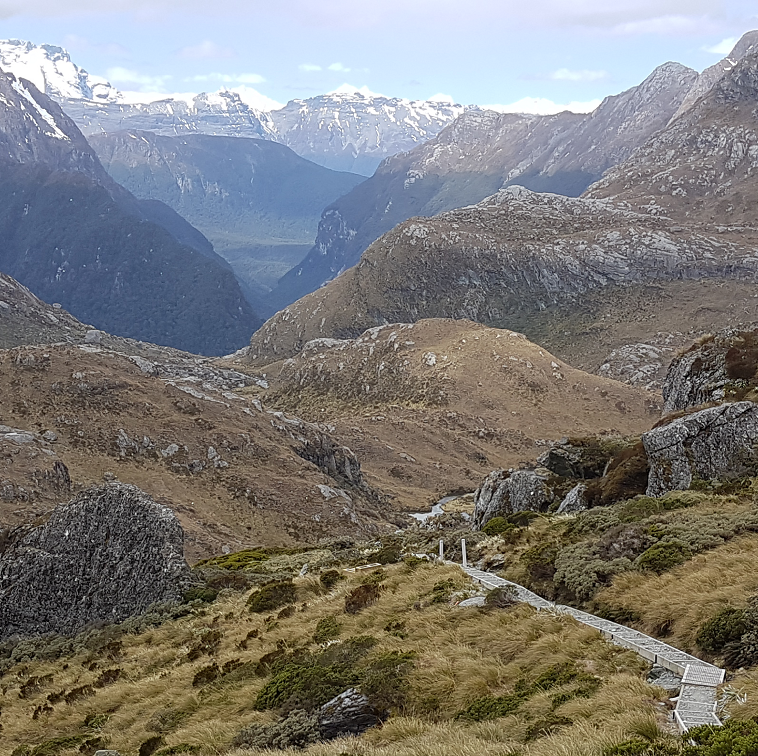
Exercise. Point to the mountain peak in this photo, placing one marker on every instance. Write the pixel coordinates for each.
(52, 71)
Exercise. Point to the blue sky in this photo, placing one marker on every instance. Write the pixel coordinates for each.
(476, 51)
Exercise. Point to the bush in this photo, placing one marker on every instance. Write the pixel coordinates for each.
(239, 560)
(738, 737)
(502, 597)
(327, 629)
(497, 526)
(206, 644)
(297, 730)
(442, 592)
(389, 554)
(413, 562)
(540, 561)
(272, 596)
(384, 681)
(663, 556)
(305, 687)
(361, 597)
(726, 626)
(204, 594)
(330, 578)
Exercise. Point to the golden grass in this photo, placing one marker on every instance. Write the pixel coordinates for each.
(685, 597)
(462, 654)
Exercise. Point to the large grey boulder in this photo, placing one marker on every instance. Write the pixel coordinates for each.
(349, 713)
(503, 493)
(718, 443)
(103, 557)
(574, 501)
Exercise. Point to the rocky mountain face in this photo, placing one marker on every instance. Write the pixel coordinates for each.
(355, 131)
(52, 71)
(512, 260)
(480, 153)
(257, 201)
(126, 266)
(221, 114)
(701, 168)
(26, 319)
(124, 549)
(181, 429)
(430, 407)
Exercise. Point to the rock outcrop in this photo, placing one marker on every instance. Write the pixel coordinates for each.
(105, 556)
(575, 500)
(724, 366)
(503, 493)
(349, 713)
(714, 444)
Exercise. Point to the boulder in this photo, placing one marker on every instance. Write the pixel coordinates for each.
(587, 458)
(717, 443)
(505, 493)
(103, 557)
(349, 713)
(724, 366)
(575, 500)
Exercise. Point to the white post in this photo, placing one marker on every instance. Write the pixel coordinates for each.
(442, 550)
(463, 552)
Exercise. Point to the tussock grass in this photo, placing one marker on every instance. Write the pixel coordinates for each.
(460, 655)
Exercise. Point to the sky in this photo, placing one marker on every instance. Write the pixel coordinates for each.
(536, 56)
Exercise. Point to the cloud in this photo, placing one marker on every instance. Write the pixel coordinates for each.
(671, 25)
(206, 49)
(443, 98)
(339, 68)
(75, 42)
(724, 47)
(565, 74)
(543, 106)
(308, 67)
(245, 78)
(257, 100)
(146, 82)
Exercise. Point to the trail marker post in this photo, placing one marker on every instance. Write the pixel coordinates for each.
(463, 552)
(442, 550)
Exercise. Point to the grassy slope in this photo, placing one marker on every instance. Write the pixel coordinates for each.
(461, 655)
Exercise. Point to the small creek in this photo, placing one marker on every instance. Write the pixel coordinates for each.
(437, 509)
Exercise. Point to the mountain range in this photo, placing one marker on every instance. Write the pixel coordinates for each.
(74, 236)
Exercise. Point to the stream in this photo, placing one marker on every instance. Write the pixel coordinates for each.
(437, 509)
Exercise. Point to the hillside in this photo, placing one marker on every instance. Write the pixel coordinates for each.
(579, 276)
(125, 266)
(480, 153)
(430, 408)
(255, 200)
(170, 424)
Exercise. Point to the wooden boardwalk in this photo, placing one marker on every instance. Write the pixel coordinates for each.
(696, 704)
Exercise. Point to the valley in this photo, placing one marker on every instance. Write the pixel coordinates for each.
(365, 425)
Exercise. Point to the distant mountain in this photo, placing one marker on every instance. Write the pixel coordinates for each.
(74, 236)
(257, 201)
(221, 114)
(52, 71)
(356, 130)
(480, 153)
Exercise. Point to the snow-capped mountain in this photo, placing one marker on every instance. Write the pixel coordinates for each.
(53, 72)
(354, 129)
(219, 114)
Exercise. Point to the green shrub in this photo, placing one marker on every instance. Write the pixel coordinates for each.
(502, 597)
(641, 747)
(492, 707)
(443, 591)
(239, 560)
(297, 730)
(272, 596)
(389, 554)
(497, 526)
(200, 593)
(384, 680)
(375, 577)
(305, 687)
(413, 562)
(738, 737)
(396, 627)
(726, 626)
(85, 744)
(327, 629)
(361, 597)
(330, 578)
(205, 645)
(540, 560)
(663, 556)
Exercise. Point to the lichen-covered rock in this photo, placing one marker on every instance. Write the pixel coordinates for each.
(718, 367)
(714, 444)
(107, 555)
(580, 458)
(575, 500)
(503, 493)
(349, 713)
